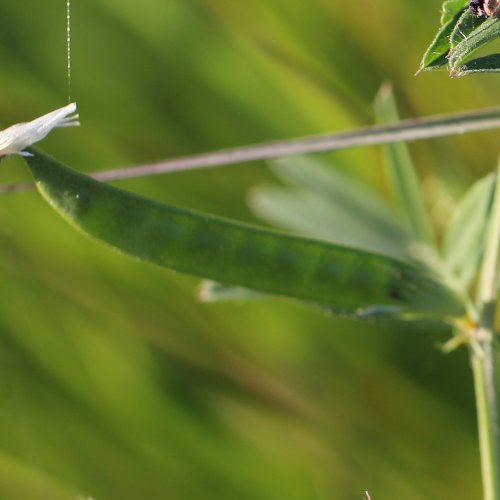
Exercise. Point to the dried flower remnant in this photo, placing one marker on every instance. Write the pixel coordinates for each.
(15, 139)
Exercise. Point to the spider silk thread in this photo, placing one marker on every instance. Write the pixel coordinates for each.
(68, 46)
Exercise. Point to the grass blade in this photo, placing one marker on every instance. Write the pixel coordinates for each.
(402, 175)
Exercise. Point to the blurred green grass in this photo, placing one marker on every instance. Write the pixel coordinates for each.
(116, 383)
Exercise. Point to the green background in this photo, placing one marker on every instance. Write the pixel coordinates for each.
(115, 382)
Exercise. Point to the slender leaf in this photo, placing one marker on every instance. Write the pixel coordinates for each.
(486, 64)
(465, 238)
(401, 172)
(488, 283)
(341, 279)
(485, 33)
(324, 203)
(304, 212)
(435, 56)
(465, 25)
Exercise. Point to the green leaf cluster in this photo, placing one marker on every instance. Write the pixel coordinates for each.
(460, 36)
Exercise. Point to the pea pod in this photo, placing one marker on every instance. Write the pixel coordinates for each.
(341, 279)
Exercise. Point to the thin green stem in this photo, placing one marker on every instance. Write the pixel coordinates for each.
(482, 368)
(482, 356)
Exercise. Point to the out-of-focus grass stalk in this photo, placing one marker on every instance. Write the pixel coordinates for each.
(404, 130)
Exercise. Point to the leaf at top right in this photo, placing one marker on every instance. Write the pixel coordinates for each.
(465, 28)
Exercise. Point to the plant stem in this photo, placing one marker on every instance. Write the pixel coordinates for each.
(482, 355)
(482, 368)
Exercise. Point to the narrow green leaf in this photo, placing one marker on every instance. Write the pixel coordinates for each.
(340, 279)
(306, 213)
(323, 203)
(486, 64)
(435, 56)
(485, 33)
(465, 237)
(466, 24)
(488, 283)
(401, 172)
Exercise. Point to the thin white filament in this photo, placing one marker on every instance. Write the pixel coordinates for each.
(68, 45)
